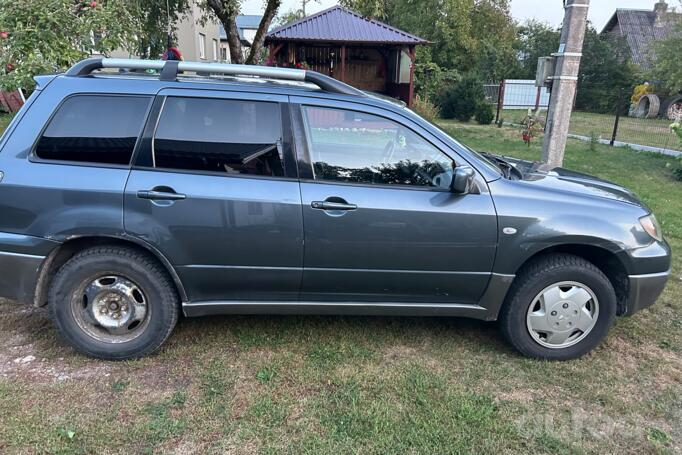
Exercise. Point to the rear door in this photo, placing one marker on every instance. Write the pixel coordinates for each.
(380, 222)
(67, 179)
(214, 188)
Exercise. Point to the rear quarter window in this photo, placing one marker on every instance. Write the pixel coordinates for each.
(94, 129)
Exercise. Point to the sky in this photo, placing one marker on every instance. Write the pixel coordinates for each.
(550, 11)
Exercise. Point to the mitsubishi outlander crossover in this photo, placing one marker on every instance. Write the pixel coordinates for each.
(134, 191)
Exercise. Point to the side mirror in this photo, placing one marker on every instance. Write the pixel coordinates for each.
(463, 180)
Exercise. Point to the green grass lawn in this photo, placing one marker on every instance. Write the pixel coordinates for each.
(374, 385)
(650, 132)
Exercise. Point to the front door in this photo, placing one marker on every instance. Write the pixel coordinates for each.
(213, 190)
(380, 222)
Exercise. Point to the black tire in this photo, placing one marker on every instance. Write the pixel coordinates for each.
(666, 106)
(536, 277)
(138, 267)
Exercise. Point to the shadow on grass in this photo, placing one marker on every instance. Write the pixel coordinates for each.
(32, 327)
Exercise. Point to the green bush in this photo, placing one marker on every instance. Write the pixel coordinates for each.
(425, 108)
(430, 80)
(484, 114)
(678, 173)
(461, 100)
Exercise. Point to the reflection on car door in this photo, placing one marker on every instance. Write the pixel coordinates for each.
(213, 191)
(380, 222)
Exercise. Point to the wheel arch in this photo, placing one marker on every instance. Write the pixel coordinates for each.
(70, 247)
(604, 259)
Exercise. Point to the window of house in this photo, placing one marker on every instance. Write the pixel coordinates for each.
(95, 129)
(223, 54)
(217, 135)
(202, 46)
(356, 147)
(215, 49)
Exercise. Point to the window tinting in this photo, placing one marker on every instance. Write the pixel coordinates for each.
(356, 147)
(215, 135)
(95, 129)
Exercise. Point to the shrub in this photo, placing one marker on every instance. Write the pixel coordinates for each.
(425, 108)
(430, 80)
(461, 100)
(484, 114)
(678, 173)
(594, 140)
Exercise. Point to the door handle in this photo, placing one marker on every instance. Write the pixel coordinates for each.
(160, 195)
(327, 205)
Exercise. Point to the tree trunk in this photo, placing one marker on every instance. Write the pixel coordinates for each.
(226, 11)
(257, 45)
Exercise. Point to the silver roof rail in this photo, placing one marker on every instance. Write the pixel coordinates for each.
(170, 68)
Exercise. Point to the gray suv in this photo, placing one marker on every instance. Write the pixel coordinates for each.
(127, 198)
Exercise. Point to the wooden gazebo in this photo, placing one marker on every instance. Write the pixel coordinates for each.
(340, 43)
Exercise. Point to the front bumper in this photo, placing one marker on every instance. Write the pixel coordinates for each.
(644, 290)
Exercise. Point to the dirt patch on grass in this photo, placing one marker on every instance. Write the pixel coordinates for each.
(21, 357)
(667, 365)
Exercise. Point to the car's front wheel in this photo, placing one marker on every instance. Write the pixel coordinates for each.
(560, 307)
(113, 303)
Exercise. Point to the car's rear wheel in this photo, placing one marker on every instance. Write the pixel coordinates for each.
(113, 303)
(560, 307)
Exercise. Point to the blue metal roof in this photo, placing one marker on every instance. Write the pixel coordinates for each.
(249, 21)
(340, 24)
(244, 22)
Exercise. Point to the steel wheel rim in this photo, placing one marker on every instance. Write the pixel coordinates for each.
(562, 315)
(111, 308)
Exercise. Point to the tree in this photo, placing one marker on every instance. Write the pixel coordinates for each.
(374, 9)
(493, 33)
(466, 34)
(534, 39)
(46, 36)
(150, 21)
(667, 68)
(227, 11)
(605, 70)
(290, 16)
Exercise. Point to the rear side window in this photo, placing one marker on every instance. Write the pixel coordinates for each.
(94, 129)
(218, 135)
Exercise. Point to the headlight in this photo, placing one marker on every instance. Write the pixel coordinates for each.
(651, 226)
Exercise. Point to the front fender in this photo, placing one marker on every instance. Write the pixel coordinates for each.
(532, 220)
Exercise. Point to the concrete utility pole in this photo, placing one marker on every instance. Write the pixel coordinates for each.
(565, 81)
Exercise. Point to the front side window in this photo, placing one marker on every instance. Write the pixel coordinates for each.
(356, 147)
(94, 129)
(217, 135)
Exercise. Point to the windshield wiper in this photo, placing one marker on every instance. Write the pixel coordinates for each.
(504, 166)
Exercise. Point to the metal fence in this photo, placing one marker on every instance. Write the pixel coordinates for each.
(517, 94)
(601, 112)
(612, 115)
